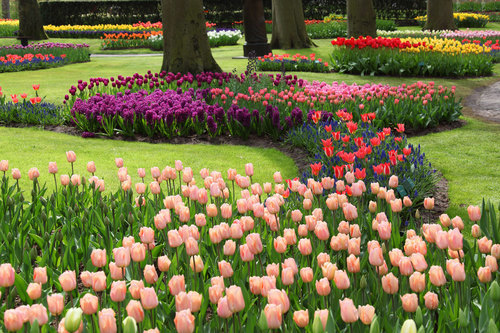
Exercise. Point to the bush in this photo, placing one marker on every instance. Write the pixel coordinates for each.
(468, 6)
(327, 30)
(411, 57)
(386, 25)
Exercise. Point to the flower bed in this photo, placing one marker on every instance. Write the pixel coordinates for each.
(294, 63)
(237, 254)
(8, 27)
(154, 39)
(412, 57)
(97, 31)
(338, 146)
(417, 106)
(127, 40)
(462, 20)
(73, 52)
(16, 63)
(25, 109)
(481, 35)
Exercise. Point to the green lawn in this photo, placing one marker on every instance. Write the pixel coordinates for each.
(25, 148)
(467, 157)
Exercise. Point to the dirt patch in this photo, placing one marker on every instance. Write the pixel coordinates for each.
(441, 201)
(440, 128)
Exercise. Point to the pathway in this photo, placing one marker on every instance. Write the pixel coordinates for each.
(486, 103)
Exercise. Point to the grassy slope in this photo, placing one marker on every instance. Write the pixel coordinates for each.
(39, 147)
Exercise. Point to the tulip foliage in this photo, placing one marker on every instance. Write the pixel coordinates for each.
(175, 251)
(168, 104)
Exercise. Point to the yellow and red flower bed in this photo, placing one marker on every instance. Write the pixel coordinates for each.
(413, 56)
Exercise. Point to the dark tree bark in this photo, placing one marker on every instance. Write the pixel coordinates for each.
(185, 41)
(6, 9)
(361, 20)
(289, 29)
(254, 25)
(440, 15)
(30, 20)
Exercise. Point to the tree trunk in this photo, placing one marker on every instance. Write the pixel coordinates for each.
(5, 9)
(361, 20)
(440, 15)
(289, 29)
(30, 20)
(185, 41)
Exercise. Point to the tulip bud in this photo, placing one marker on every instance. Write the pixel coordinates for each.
(495, 291)
(43, 201)
(33, 254)
(43, 216)
(492, 328)
(73, 319)
(375, 326)
(317, 325)
(262, 323)
(409, 326)
(363, 283)
(384, 248)
(418, 317)
(462, 319)
(421, 329)
(35, 328)
(129, 325)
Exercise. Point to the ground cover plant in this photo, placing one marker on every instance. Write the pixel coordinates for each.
(462, 20)
(413, 56)
(73, 52)
(172, 252)
(292, 63)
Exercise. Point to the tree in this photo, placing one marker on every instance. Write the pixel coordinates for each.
(440, 15)
(185, 41)
(289, 29)
(6, 9)
(30, 20)
(361, 20)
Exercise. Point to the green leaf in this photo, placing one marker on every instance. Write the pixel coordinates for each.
(21, 287)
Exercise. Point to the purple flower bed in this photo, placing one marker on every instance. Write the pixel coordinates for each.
(73, 52)
(172, 113)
